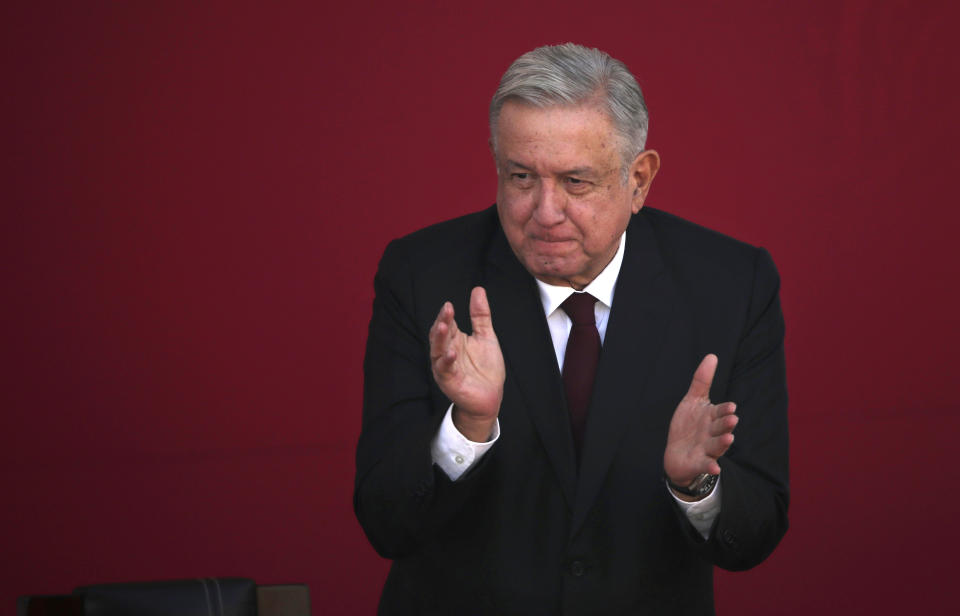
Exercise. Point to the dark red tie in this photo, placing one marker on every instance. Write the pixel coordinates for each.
(580, 361)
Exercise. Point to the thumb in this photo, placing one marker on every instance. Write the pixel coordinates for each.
(480, 318)
(703, 378)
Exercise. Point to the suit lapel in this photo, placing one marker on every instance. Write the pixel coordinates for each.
(530, 360)
(635, 334)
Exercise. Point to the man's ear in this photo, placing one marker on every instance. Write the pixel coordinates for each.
(642, 171)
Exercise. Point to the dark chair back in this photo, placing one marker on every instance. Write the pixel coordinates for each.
(197, 597)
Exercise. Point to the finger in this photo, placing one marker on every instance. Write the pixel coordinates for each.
(723, 425)
(480, 318)
(722, 410)
(703, 378)
(447, 361)
(445, 315)
(441, 333)
(718, 445)
(437, 331)
(444, 360)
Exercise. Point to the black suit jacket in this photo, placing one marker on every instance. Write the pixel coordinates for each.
(526, 531)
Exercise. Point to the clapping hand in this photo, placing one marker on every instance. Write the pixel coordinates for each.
(700, 431)
(469, 369)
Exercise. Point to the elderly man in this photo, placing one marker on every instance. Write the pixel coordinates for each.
(556, 450)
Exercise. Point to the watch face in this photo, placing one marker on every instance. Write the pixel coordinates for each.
(700, 486)
(705, 484)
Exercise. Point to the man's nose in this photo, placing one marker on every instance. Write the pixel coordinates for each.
(551, 204)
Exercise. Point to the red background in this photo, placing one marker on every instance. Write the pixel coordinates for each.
(195, 199)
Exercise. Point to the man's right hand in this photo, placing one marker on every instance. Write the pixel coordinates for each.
(469, 369)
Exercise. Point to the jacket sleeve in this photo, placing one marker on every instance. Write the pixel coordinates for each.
(400, 498)
(754, 471)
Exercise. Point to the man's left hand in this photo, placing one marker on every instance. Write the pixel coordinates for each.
(700, 432)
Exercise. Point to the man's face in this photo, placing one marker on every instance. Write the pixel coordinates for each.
(561, 194)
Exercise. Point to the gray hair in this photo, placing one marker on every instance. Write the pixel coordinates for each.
(572, 75)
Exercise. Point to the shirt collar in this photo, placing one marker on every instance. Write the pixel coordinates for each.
(601, 287)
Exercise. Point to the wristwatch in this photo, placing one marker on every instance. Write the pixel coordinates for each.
(701, 486)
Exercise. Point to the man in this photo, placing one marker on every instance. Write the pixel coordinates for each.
(548, 452)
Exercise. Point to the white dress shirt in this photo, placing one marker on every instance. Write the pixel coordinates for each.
(455, 454)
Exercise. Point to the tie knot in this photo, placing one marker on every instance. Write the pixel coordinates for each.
(579, 307)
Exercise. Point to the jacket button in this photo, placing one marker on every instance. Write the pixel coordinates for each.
(577, 568)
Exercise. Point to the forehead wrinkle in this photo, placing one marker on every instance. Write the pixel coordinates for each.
(557, 141)
(587, 170)
(512, 163)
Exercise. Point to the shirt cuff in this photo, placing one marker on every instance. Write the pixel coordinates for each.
(453, 452)
(703, 512)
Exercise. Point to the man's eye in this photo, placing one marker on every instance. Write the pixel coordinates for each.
(521, 176)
